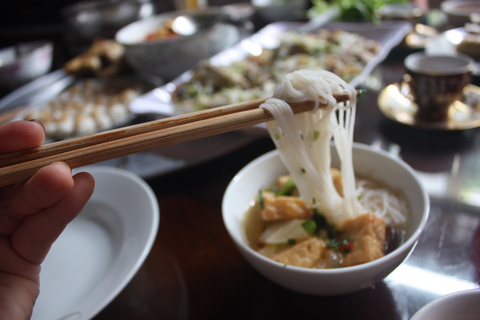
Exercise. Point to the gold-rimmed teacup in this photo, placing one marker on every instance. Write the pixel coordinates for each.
(436, 81)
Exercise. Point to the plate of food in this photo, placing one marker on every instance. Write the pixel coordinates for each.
(101, 250)
(91, 93)
(251, 68)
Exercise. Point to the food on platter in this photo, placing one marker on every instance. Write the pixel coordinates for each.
(318, 216)
(164, 32)
(104, 58)
(341, 52)
(85, 107)
(470, 45)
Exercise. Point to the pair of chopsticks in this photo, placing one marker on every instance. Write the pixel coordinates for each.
(86, 150)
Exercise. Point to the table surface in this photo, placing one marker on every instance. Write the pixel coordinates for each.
(194, 270)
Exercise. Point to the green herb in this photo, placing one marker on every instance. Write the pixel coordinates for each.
(318, 223)
(288, 188)
(361, 93)
(290, 242)
(303, 170)
(277, 136)
(260, 199)
(309, 226)
(316, 134)
(351, 10)
(322, 224)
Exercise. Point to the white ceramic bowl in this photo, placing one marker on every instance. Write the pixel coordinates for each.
(462, 305)
(168, 58)
(25, 62)
(369, 162)
(458, 12)
(275, 10)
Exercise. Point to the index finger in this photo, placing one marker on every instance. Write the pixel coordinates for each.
(20, 135)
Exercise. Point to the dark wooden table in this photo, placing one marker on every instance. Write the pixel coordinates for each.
(194, 270)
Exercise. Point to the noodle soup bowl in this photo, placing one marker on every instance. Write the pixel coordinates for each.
(368, 162)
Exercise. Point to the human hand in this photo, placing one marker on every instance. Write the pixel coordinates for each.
(32, 216)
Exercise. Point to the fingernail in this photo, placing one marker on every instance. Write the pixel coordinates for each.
(36, 121)
(62, 163)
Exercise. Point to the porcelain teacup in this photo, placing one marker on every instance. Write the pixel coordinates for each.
(437, 81)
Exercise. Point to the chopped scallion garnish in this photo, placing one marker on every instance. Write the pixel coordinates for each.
(260, 199)
(309, 226)
(290, 242)
(287, 188)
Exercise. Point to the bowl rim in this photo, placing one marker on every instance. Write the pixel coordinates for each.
(450, 296)
(409, 242)
(467, 68)
(79, 7)
(162, 17)
(449, 7)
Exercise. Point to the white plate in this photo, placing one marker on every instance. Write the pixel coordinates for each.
(101, 250)
(389, 34)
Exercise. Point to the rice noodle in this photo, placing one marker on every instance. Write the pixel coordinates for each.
(303, 141)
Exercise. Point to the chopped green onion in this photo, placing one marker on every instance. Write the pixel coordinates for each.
(303, 170)
(323, 224)
(309, 226)
(316, 134)
(287, 188)
(290, 242)
(277, 136)
(361, 93)
(260, 199)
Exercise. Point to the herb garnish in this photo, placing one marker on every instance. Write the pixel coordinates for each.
(288, 188)
(260, 199)
(290, 242)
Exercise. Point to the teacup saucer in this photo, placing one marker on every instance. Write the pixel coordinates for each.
(396, 103)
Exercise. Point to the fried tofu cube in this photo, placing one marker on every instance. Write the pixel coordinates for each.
(283, 208)
(304, 254)
(367, 236)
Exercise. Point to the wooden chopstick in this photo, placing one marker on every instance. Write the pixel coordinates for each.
(111, 144)
(119, 133)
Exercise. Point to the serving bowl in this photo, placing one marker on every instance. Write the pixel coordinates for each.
(88, 19)
(279, 10)
(461, 305)
(169, 57)
(24, 62)
(375, 164)
(458, 12)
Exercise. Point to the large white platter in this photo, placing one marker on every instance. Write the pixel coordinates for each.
(388, 33)
(101, 250)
